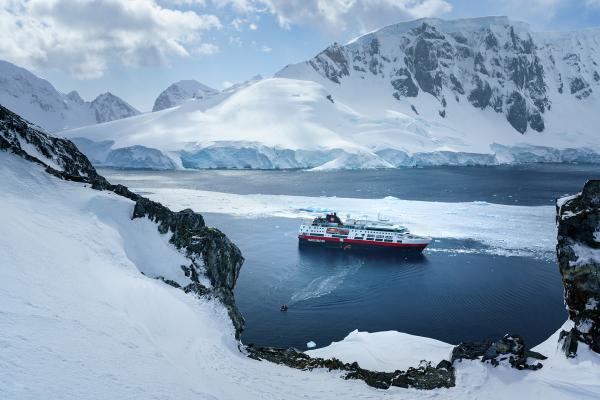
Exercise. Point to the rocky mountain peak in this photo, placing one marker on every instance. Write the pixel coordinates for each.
(489, 63)
(74, 97)
(181, 91)
(108, 107)
(39, 102)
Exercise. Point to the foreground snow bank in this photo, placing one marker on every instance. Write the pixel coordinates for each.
(385, 351)
(506, 229)
(560, 377)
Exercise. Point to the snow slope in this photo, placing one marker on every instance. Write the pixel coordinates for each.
(426, 92)
(36, 100)
(78, 319)
(385, 351)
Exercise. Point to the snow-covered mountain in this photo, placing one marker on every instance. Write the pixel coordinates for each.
(38, 101)
(182, 91)
(487, 63)
(426, 92)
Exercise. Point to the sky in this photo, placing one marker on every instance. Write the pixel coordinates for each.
(137, 48)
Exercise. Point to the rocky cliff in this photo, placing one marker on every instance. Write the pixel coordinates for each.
(578, 250)
(210, 252)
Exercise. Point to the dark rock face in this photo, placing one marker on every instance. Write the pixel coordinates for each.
(536, 122)
(15, 132)
(481, 95)
(332, 61)
(404, 84)
(425, 60)
(517, 112)
(209, 250)
(424, 376)
(578, 251)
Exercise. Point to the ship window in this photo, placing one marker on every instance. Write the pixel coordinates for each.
(388, 239)
(378, 239)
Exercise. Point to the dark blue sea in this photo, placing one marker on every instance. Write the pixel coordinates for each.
(458, 291)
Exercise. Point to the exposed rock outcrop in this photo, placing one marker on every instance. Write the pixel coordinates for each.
(578, 251)
(424, 376)
(209, 250)
(510, 350)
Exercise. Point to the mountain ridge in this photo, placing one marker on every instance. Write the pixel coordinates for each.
(491, 62)
(40, 102)
(481, 91)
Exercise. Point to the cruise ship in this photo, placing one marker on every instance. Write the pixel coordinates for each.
(331, 231)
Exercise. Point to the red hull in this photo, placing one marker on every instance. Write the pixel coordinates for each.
(359, 243)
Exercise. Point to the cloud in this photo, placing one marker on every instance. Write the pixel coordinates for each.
(235, 40)
(206, 49)
(335, 15)
(253, 26)
(265, 49)
(83, 37)
(592, 3)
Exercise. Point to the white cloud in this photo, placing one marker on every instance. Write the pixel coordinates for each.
(237, 24)
(235, 40)
(188, 2)
(536, 10)
(84, 37)
(253, 27)
(265, 49)
(592, 3)
(335, 15)
(206, 49)
(226, 84)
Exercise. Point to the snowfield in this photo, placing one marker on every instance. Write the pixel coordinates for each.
(78, 319)
(290, 123)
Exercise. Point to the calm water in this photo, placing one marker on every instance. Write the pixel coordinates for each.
(455, 291)
(445, 294)
(537, 184)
